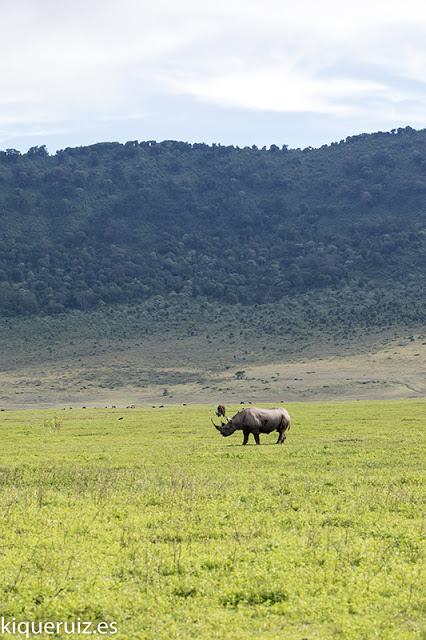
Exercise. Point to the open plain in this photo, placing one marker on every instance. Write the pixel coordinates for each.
(147, 517)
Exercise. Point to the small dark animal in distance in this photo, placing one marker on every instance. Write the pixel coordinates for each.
(220, 411)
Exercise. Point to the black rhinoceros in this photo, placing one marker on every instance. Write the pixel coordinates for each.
(256, 421)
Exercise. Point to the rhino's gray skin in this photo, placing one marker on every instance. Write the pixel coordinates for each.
(256, 421)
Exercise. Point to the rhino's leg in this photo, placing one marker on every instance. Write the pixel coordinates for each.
(246, 436)
(282, 432)
(256, 438)
(281, 437)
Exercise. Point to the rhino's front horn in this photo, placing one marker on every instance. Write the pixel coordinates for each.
(215, 425)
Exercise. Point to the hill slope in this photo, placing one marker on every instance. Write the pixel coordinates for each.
(115, 223)
(171, 352)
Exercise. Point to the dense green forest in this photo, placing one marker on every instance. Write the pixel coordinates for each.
(120, 223)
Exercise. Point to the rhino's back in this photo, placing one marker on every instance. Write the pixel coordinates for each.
(269, 414)
(265, 420)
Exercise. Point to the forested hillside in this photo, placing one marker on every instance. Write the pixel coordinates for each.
(117, 222)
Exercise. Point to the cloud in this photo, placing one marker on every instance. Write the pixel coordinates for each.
(338, 58)
(69, 64)
(283, 88)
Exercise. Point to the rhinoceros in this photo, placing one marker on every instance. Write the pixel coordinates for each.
(256, 421)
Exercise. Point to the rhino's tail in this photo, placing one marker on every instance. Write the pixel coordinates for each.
(288, 420)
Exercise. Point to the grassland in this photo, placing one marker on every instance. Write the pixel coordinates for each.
(149, 518)
(161, 353)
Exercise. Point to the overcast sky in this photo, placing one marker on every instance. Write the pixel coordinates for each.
(298, 72)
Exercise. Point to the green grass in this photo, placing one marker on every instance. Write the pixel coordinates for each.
(158, 523)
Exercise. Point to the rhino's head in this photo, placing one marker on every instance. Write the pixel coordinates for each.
(226, 428)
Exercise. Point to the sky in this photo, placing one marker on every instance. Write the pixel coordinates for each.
(242, 72)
